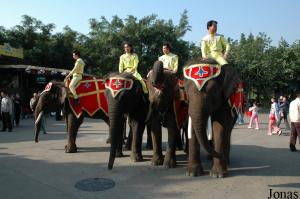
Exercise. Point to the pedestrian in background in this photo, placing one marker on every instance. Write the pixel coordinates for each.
(254, 116)
(295, 121)
(273, 117)
(17, 108)
(6, 111)
(283, 112)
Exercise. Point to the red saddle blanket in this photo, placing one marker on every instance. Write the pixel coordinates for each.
(201, 73)
(117, 84)
(90, 91)
(181, 110)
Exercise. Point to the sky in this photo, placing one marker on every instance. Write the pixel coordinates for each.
(277, 18)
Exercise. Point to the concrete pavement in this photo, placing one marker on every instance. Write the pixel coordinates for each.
(28, 170)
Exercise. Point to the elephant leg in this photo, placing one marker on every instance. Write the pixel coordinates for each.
(173, 132)
(124, 131)
(194, 166)
(156, 133)
(232, 117)
(73, 125)
(137, 138)
(185, 135)
(219, 167)
(149, 144)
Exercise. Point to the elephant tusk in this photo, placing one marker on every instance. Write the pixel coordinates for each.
(39, 117)
(209, 129)
(190, 128)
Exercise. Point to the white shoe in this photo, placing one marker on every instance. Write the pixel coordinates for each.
(279, 132)
(249, 127)
(256, 128)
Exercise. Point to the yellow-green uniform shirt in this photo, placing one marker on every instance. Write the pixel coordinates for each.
(170, 61)
(214, 46)
(128, 63)
(78, 68)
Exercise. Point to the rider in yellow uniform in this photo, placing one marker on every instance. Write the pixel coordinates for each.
(129, 62)
(215, 46)
(169, 59)
(76, 74)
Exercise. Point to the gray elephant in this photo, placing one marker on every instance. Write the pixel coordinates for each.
(163, 92)
(209, 89)
(54, 98)
(125, 96)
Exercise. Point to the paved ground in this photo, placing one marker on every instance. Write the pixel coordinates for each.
(28, 170)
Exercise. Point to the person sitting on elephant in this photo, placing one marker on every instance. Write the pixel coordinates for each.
(129, 62)
(169, 59)
(76, 74)
(214, 45)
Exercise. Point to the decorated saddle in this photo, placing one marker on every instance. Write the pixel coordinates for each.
(90, 91)
(201, 73)
(117, 84)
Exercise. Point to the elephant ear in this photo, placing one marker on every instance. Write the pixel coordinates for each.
(230, 80)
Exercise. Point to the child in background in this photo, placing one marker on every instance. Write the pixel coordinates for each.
(254, 116)
(273, 117)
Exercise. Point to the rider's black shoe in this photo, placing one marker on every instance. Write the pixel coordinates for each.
(76, 102)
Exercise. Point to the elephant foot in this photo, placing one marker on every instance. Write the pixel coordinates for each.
(119, 154)
(219, 169)
(157, 160)
(70, 148)
(136, 157)
(194, 170)
(170, 162)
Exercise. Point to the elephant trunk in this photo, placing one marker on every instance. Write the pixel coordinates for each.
(38, 116)
(199, 123)
(116, 122)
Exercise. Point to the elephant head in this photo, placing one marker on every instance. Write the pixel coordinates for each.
(50, 100)
(163, 87)
(124, 96)
(212, 97)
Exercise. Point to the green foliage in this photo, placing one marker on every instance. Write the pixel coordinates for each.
(265, 69)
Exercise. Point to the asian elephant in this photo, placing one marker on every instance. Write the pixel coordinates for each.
(163, 91)
(54, 99)
(125, 96)
(211, 100)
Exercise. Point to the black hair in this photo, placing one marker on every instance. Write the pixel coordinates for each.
(76, 52)
(167, 44)
(210, 23)
(128, 44)
(298, 93)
